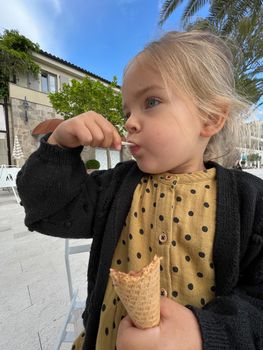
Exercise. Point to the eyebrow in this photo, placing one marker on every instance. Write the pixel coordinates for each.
(144, 91)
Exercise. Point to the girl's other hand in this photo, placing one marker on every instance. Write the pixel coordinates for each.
(178, 330)
(86, 129)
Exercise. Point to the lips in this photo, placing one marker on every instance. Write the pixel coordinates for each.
(128, 140)
(135, 150)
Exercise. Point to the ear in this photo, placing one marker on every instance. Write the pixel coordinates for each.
(212, 127)
(215, 124)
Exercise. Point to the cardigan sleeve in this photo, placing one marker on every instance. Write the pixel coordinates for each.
(235, 321)
(58, 196)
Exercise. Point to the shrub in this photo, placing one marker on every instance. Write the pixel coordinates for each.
(92, 164)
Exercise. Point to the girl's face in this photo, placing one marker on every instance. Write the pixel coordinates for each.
(165, 128)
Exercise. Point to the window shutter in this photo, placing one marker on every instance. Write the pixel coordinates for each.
(63, 80)
(32, 82)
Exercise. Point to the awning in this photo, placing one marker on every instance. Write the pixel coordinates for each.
(46, 126)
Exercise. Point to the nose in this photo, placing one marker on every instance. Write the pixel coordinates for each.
(132, 124)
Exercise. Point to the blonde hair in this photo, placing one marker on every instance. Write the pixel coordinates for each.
(198, 64)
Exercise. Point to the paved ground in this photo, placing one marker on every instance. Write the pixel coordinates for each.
(257, 172)
(34, 291)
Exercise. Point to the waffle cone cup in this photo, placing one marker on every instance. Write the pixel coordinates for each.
(139, 293)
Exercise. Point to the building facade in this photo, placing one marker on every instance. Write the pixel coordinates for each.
(251, 152)
(29, 106)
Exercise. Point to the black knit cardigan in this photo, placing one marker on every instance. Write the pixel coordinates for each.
(60, 199)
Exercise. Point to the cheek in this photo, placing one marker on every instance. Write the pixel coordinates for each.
(161, 132)
(160, 138)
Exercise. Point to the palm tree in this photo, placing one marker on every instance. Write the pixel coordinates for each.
(169, 6)
(233, 9)
(240, 23)
(246, 43)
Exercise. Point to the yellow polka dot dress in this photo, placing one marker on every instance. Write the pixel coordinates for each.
(172, 216)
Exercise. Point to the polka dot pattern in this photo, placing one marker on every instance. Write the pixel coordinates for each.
(181, 210)
(174, 293)
(78, 343)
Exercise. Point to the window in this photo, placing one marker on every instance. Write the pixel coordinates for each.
(48, 82)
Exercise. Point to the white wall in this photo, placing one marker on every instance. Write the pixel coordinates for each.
(101, 156)
(2, 119)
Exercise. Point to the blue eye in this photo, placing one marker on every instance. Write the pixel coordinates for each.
(152, 102)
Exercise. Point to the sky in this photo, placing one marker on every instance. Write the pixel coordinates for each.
(100, 36)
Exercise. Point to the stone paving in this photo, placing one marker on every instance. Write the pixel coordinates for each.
(33, 284)
(34, 296)
(257, 172)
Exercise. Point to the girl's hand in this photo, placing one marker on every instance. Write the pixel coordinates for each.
(178, 330)
(87, 129)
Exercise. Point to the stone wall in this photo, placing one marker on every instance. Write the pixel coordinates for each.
(21, 128)
(37, 113)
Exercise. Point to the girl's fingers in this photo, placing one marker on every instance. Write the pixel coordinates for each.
(98, 135)
(84, 136)
(130, 337)
(112, 137)
(87, 129)
(116, 140)
(107, 131)
(87, 132)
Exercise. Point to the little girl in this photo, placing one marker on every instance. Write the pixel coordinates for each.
(206, 221)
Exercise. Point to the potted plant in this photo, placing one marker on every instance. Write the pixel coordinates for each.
(91, 165)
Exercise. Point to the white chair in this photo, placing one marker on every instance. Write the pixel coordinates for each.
(8, 174)
(72, 325)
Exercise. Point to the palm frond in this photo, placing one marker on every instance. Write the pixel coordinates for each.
(192, 8)
(258, 70)
(202, 24)
(167, 9)
(245, 26)
(248, 88)
(220, 8)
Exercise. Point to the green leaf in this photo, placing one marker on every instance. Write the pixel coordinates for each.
(15, 57)
(90, 94)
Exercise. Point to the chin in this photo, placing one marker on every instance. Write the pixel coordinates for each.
(150, 168)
